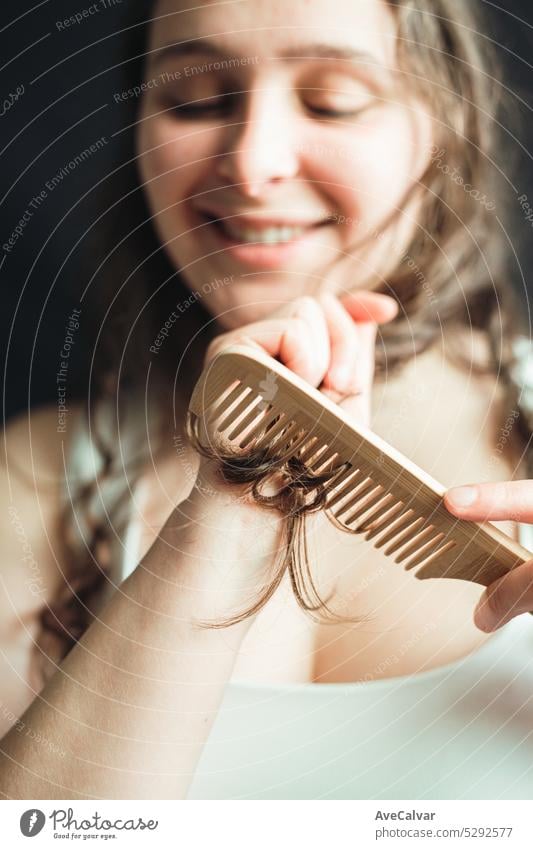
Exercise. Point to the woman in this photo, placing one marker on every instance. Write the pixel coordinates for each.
(298, 196)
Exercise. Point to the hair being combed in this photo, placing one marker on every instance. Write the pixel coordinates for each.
(298, 492)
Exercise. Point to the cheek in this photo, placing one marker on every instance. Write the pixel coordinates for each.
(371, 165)
(172, 160)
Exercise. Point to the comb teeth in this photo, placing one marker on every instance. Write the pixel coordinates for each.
(224, 401)
(376, 527)
(234, 417)
(240, 429)
(425, 537)
(374, 497)
(232, 413)
(346, 484)
(424, 552)
(319, 459)
(364, 489)
(330, 459)
(436, 554)
(383, 506)
(247, 416)
(358, 493)
(273, 428)
(308, 449)
(397, 525)
(406, 535)
(255, 401)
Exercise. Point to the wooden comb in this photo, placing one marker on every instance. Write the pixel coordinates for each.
(249, 400)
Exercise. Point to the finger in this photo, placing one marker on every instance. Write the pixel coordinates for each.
(308, 310)
(370, 306)
(358, 402)
(349, 379)
(306, 351)
(506, 598)
(349, 383)
(485, 501)
(340, 376)
(287, 339)
(352, 347)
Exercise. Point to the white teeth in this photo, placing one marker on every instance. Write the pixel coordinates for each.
(270, 236)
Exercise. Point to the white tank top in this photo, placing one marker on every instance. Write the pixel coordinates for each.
(461, 731)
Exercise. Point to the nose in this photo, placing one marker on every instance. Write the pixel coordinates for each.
(261, 149)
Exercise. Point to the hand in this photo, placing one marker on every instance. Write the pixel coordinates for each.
(229, 541)
(512, 594)
(328, 341)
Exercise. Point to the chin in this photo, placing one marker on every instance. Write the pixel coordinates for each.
(238, 317)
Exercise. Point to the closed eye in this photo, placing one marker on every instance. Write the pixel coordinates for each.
(337, 113)
(205, 106)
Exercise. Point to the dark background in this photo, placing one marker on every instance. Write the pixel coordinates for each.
(69, 81)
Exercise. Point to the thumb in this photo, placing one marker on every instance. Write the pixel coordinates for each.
(492, 501)
(505, 598)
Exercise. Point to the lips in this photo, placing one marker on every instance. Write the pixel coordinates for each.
(261, 231)
(254, 222)
(257, 248)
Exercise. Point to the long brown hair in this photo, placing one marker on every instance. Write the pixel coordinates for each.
(449, 277)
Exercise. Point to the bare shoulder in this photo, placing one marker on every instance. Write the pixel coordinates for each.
(31, 564)
(448, 420)
(32, 476)
(34, 442)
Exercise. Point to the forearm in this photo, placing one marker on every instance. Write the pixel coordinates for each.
(133, 703)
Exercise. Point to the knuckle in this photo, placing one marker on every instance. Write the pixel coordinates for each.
(299, 326)
(306, 303)
(309, 309)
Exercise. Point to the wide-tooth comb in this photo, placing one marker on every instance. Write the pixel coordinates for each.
(249, 400)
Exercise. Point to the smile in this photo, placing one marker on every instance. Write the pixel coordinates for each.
(264, 243)
(268, 234)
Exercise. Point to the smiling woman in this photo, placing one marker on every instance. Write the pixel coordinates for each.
(278, 188)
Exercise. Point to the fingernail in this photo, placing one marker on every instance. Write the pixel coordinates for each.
(462, 496)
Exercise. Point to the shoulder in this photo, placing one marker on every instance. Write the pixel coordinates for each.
(449, 420)
(31, 481)
(31, 561)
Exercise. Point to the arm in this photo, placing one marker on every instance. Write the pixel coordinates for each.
(134, 701)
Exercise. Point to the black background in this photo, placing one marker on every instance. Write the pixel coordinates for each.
(67, 105)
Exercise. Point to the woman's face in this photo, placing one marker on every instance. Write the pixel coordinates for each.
(294, 133)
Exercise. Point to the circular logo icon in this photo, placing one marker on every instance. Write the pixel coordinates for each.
(32, 822)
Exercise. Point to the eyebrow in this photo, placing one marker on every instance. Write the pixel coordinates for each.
(318, 50)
